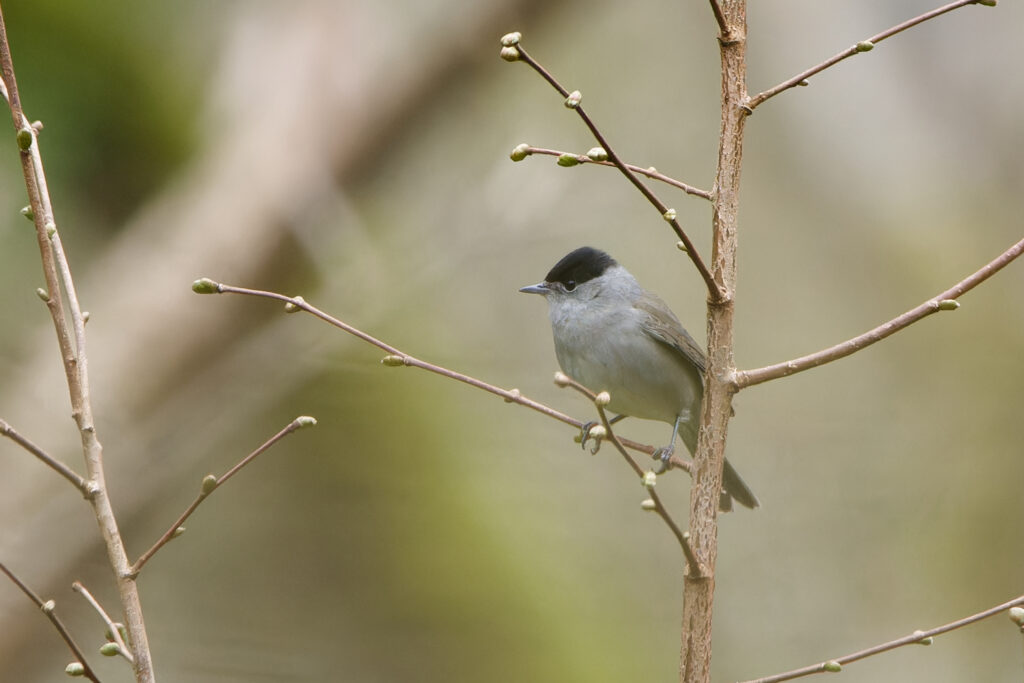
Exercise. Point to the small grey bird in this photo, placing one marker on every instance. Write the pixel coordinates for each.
(613, 335)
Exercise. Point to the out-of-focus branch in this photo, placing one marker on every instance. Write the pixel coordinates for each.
(917, 637)
(862, 46)
(945, 301)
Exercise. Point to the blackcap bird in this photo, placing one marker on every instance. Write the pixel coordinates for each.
(613, 335)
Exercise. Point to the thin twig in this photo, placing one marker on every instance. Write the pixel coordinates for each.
(115, 632)
(399, 357)
(943, 301)
(650, 172)
(48, 609)
(210, 484)
(51, 462)
(723, 25)
(714, 291)
(863, 46)
(913, 638)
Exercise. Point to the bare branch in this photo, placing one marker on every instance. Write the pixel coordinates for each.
(396, 357)
(210, 484)
(115, 632)
(573, 102)
(723, 26)
(862, 46)
(54, 464)
(650, 172)
(48, 609)
(943, 301)
(917, 637)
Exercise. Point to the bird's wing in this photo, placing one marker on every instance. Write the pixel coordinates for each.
(663, 326)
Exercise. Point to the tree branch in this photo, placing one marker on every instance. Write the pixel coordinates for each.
(115, 632)
(917, 637)
(525, 150)
(51, 462)
(397, 357)
(941, 302)
(48, 609)
(515, 52)
(210, 484)
(862, 46)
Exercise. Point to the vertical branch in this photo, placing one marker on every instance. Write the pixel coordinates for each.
(698, 591)
(70, 330)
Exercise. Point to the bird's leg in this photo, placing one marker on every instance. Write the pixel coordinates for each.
(665, 452)
(585, 432)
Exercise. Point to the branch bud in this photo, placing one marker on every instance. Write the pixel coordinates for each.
(27, 212)
(603, 399)
(291, 307)
(510, 39)
(25, 139)
(110, 649)
(41, 293)
(562, 379)
(392, 361)
(520, 152)
(681, 246)
(597, 154)
(864, 46)
(1016, 615)
(573, 100)
(74, 669)
(669, 215)
(832, 666)
(987, 3)
(305, 421)
(568, 160)
(205, 286)
(48, 606)
(209, 484)
(178, 532)
(650, 479)
(648, 505)
(510, 54)
(948, 305)
(598, 432)
(513, 396)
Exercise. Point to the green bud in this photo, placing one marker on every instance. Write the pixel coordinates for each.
(804, 83)
(178, 532)
(305, 421)
(669, 215)
(205, 286)
(598, 432)
(573, 100)
(832, 666)
(110, 649)
(209, 484)
(650, 479)
(864, 46)
(48, 606)
(681, 246)
(598, 154)
(51, 230)
(25, 139)
(291, 307)
(27, 212)
(948, 305)
(987, 3)
(510, 54)
(603, 398)
(562, 379)
(520, 152)
(568, 160)
(510, 39)
(1016, 615)
(648, 505)
(41, 293)
(75, 669)
(393, 361)
(513, 396)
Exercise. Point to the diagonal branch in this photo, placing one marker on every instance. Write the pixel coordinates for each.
(517, 53)
(52, 462)
(863, 46)
(47, 609)
(209, 485)
(917, 637)
(397, 357)
(941, 302)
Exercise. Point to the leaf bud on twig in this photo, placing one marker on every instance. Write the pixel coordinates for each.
(865, 46)
(573, 100)
(568, 160)
(510, 54)
(205, 286)
(520, 152)
(598, 154)
(74, 669)
(25, 139)
(510, 39)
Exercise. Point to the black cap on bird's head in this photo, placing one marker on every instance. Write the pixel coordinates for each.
(578, 266)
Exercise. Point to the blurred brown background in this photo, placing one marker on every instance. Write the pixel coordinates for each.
(357, 153)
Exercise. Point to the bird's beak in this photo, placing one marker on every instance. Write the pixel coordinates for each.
(539, 288)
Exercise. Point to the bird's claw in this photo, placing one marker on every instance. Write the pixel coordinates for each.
(664, 454)
(585, 437)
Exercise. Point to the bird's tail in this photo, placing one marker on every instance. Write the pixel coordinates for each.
(734, 488)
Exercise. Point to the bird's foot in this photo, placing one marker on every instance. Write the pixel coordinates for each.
(584, 436)
(664, 454)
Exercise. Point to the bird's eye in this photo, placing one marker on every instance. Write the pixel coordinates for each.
(570, 285)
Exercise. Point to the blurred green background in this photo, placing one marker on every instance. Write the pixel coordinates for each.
(357, 153)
